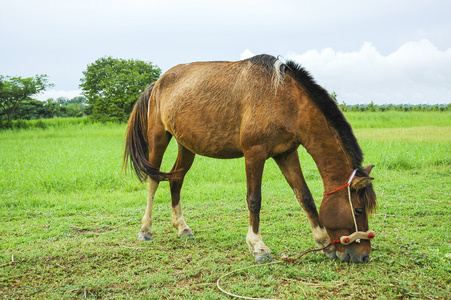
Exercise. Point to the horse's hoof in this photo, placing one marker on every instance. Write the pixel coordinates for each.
(264, 258)
(144, 236)
(186, 233)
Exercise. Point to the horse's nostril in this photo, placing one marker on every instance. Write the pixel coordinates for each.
(366, 258)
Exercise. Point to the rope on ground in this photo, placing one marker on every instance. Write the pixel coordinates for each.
(242, 269)
(292, 260)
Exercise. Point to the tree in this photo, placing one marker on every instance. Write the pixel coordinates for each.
(52, 108)
(14, 90)
(78, 100)
(30, 109)
(334, 96)
(112, 86)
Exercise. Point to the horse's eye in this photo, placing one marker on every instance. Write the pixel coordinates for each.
(358, 211)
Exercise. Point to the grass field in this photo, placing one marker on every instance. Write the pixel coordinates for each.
(69, 220)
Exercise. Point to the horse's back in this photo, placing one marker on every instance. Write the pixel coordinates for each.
(211, 107)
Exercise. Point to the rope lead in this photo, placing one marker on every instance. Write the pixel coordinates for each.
(292, 260)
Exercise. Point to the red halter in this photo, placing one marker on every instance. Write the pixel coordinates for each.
(357, 235)
(336, 190)
(346, 185)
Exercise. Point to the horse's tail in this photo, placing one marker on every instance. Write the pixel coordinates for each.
(137, 143)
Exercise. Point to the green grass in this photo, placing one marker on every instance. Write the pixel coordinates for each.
(397, 119)
(70, 220)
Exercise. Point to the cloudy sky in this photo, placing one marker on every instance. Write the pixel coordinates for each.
(386, 51)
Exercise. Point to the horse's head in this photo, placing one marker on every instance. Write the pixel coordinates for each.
(344, 212)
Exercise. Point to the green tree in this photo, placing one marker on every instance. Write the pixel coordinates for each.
(334, 96)
(30, 109)
(78, 100)
(112, 86)
(52, 107)
(62, 101)
(14, 90)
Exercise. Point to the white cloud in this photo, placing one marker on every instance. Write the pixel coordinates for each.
(55, 94)
(416, 73)
(246, 54)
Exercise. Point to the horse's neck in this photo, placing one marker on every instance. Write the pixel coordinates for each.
(322, 143)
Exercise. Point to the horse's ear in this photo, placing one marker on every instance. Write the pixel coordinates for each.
(367, 169)
(360, 182)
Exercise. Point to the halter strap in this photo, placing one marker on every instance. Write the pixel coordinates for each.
(348, 185)
(352, 209)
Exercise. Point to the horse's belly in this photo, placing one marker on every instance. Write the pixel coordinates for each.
(208, 136)
(210, 144)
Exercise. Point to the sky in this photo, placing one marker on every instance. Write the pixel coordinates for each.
(383, 51)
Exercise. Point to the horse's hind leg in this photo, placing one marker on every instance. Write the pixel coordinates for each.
(183, 163)
(291, 169)
(145, 233)
(159, 140)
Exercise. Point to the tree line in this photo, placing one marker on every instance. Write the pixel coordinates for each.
(62, 107)
(110, 87)
(393, 107)
(371, 107)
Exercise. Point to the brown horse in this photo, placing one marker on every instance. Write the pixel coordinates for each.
(258, 108)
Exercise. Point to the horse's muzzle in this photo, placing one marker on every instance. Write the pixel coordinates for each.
(349, 257)
(354, 253)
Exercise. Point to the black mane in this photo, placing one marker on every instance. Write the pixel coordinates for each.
(323, 101)
(330, 110)
(267, 62)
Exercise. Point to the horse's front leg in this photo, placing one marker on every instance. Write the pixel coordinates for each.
(291, 169)
(254, 169)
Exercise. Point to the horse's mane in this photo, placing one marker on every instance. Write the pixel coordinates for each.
(329, 109)
(320, 97)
